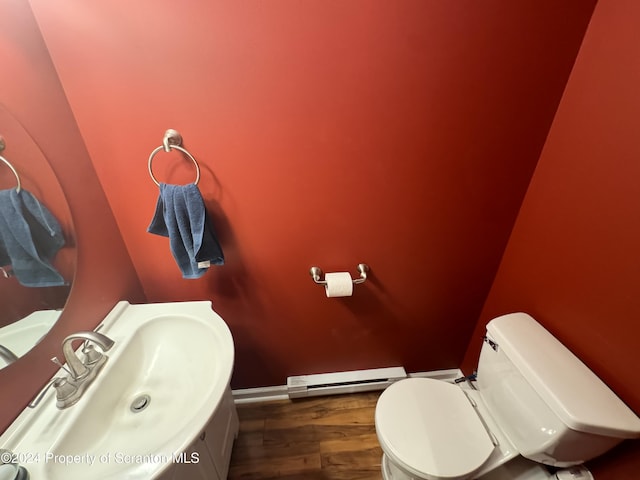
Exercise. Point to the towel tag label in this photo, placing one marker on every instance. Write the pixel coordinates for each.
(205, 264)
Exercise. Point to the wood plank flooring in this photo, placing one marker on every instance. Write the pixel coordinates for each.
(318, 438)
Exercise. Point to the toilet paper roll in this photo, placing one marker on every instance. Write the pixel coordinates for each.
(339, 284)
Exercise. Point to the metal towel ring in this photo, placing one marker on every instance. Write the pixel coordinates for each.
(172, 139)
(8, 163)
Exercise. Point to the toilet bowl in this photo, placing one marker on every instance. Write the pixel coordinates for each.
(428, 429)
(534, 403)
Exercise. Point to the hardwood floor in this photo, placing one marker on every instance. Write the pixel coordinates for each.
(318, 438)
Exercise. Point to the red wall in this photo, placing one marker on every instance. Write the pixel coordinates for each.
(31, 91)
(400, 134)
(573, 258)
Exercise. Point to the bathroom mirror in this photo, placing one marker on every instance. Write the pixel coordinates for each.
(27, 313)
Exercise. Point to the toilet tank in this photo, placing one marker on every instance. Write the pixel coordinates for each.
(548, 403)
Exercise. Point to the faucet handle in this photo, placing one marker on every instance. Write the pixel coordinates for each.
(64, 389)
(91, 355)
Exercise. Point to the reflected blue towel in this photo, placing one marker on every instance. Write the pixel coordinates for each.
(30, 237)
(181, 215)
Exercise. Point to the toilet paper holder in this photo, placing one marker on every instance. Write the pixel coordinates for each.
(316, 274)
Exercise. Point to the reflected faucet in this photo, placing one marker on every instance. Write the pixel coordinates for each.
(7, 355)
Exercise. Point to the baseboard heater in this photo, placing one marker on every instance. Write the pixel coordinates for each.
(343, 382)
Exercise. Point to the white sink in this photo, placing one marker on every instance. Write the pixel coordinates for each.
(20, 337)
(173, 360)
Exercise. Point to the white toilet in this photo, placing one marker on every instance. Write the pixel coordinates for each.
(533, 398)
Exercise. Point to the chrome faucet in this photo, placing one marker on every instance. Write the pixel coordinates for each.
(7, 355)
(81, 372)
(78, 370)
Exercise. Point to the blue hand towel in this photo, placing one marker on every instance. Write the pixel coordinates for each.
(30, 237)
(181, 215)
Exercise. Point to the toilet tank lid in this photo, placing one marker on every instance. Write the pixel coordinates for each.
(580, 399)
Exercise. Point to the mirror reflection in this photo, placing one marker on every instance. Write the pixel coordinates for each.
(37, 249)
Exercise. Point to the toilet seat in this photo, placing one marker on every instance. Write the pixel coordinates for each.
(430, 429)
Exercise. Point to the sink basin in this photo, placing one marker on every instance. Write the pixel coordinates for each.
(166, 374)
(21, 336)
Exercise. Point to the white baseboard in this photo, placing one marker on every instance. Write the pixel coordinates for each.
(260, 394)
(279, 392)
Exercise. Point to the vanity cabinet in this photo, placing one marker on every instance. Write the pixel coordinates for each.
(209, 455)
